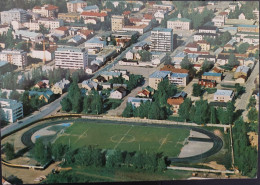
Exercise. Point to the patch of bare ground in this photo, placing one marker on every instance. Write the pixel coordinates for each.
(214, 165)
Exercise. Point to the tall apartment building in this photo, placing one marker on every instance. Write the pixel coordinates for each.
(15, 57)
(71, 57)
(73, 6)
(117, 22)
(19, 15)
(162, 39)
(10, 110)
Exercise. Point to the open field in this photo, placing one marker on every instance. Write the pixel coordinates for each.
(125, 137)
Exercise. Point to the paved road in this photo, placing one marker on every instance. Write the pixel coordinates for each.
(44, 111)
(242, 102)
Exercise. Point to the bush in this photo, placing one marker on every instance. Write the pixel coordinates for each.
(211, 90)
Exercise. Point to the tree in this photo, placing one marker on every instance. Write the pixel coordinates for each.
(9, 40)
(239, 89)
(197, 90)
(128, 112)
(213, 115)
(154, 111)
(185, 63)
(66, 104)
(230, 112)
(252, 102)
(184, 110)
(207, 65)
(58, 151)
(225, 37)
(98, 158)
(145, 55)
(161, 164)
(14, 95)
(202, 112)
(9, 151)
(43, 30)
(39, 151)
(242, 48)
(232, 61)
(253, 114)
(87, 104)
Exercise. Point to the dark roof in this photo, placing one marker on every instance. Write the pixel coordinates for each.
(206, 56)
(206, 80)
(121, 89)
(223, 56)
(218, 104)
(180, 94)
(207, 28)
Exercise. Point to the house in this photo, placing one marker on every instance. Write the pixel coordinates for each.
(47, 10)
(60, 87)
(144, 93)
(202, 35)
(119, 93)
(249, 61)
(160, 15)
(212, 76)
(192, 46)
(116, 86)
(217, 70)
(202, 58)
(100, 16)
(63, 31)
(208, 29)
(223, 95)
(93, 8)
(85, 33)
(253, 49)
(89, 85)
(179, 56)
(219, 20)
(156, 77)
(222, 59)
(100, 79)
(106, 85)
(108, 75)
(12, 110)
(204, 45)
(241, 70)
(95, 42)
(207, 83)
(242, 16)
(133, 54)
(92, 68)
(241, 79)
(136, 102)
(46, 96)
(160, 59)
(69, 17)
(75, 5)
(228, 47)
(76, 40)
(180, 79)
(140, 46)
(43, 84)
(176, 101)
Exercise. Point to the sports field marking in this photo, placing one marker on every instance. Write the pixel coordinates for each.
(164, 140)
(81, 136)
(123, 137)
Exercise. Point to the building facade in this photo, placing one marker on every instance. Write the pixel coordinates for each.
(212, 76)
(179, 23)
(157, 77)
(223, 95)
(11, 110)
(162, 40)
(117, 22)
(71, 57)
(74, 6)
(18, 15)
(15, 57)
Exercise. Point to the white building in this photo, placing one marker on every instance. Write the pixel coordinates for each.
(10, 110)
(71, 57)
(19, 15)
(117, 22)
(160, 15)
(162, 39)
(46, 22)
(219, 20)
(141, 28)
(15, 57)
(76, 5)
(179, 23)
(223, 95)
(180, 79)
(46, 10)
(28, 35)
(95, 42)
(136, 102)
(242, 16)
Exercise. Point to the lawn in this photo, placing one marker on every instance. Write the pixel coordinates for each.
(125, 137)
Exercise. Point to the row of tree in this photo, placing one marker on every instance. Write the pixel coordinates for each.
(244, 154)
(247, 9)
(201, 112)
(133, 82)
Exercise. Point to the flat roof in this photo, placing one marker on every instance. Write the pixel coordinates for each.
(179, 75)
(70, 48)
(223, 92)
(211, 74)
(159, 74)
(163, 29)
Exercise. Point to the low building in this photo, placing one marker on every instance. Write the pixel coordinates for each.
(95, 42)
(76, 40)
(176, 101)
(12, 110)
(136, 102)
(100, 16)
(144, 93)
(106, 54)
(222, 59)
(69, 17)
(15, 57)
(63, 31)
(219, 20)
(157, 77)
(202, 36)
(223, 95)
(173, 69)
(242, 16)
(180, 79)
(108, 75)
(93, 8)
(212, 76)
(47, 10)
(202, 58)
(247, 28)
(241, 71)
(89, 85)
(192, 46)
(76, 5)
(19, 15)
(92, 69)
(43, 84)
(118, 94)
(208, 29)
(179, 23)
(28, 36)
(160, 59)
(60, 87)
(141, 29)
(207, 83)
(204, 45)
(132, 55)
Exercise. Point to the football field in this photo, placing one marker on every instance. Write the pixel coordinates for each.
(125, 137)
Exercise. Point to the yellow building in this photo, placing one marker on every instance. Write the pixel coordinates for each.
(117, 22)
(69, 17)
(204, 45)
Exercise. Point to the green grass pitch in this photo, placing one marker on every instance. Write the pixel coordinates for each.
(125, 137)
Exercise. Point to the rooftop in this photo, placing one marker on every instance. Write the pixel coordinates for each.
(10, 104)
(180, 94)
(26, 33)
(180, 19)
(211, 74)
(179, 75)
(174, 101)
(94, 14)
(96, 40)
(133, 99)
(243, 69)
(173, 69)
(159, 74)
(223, 92)
(71, 49)
(162, 29)
(76, 1)
(2, 63)
(90, 7)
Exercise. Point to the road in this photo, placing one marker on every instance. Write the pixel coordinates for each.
(44, 111)
(242, 102)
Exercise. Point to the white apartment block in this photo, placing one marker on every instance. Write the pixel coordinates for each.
(117, 22)
(71, 57)
(28, 35)
(162, 39)
(19, 15)
(11, 110)
(15, 57)
(46, 10)
(219, 20)
(74, 6)
(48, 23)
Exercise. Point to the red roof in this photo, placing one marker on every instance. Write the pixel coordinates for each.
(148, 16)
(134, 19)
(51, 7)
(95, 14)
(86, 32)
(62, 28)
(173, 69)
(137, 27)
(202, 41)
(37, 7)
(192, 45)
(174, 101)
(223, 13)
(196, 52)
(145, 92)
(126, 12)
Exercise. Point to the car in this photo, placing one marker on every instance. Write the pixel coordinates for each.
(19, 122)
